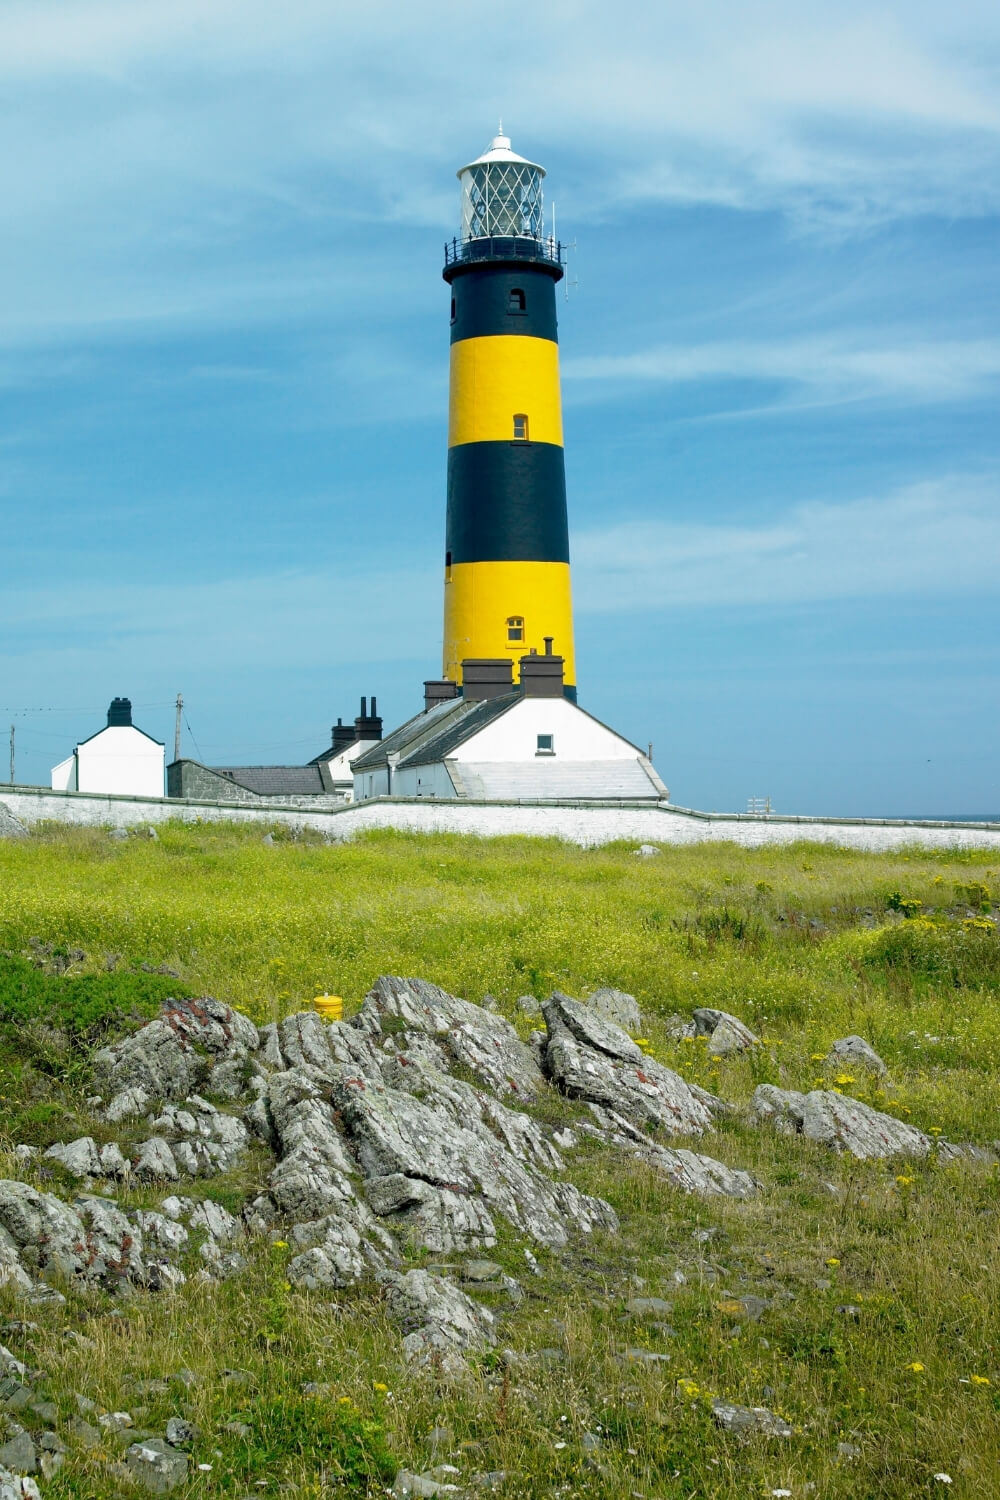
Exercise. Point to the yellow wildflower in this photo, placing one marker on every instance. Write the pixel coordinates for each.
(905, 1182)
(832, 1260)
(818, 1057)
(979, 1380)
(845, 1078)
(916, 1367)
(380, 1386)
(279, 1245)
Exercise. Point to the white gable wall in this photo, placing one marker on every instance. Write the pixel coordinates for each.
(64, 775)
(120, 760)
(514, 736)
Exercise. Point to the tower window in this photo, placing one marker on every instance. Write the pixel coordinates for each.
(545, 744)
(447, 567)
(520, 428)
(515, 300)
(515, 628)
(453, 309)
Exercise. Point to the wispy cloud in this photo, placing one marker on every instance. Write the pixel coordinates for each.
(836, 368)
(937, 538)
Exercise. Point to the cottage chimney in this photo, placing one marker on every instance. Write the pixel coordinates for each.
(486, 677)
(542, 676)
(120, 713)
(367, 726)
(341, 735)
(438, 690)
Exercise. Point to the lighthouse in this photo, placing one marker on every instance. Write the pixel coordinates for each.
(506, 577)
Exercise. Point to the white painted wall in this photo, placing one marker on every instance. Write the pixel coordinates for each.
(64, 775)
(423, 781)
(120, 760)
(576, 735)
(580, 824)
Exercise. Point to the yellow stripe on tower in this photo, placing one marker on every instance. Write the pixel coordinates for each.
(480, 598)
(495, 378)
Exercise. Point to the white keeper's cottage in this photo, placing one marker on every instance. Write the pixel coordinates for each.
(501, 743)
(118, 759)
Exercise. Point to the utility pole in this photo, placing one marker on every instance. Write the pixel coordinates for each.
(177, 729)
(12, 755)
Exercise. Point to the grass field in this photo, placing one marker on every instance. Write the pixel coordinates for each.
(806, 944)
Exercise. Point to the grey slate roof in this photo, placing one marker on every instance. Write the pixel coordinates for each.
(405, 740)
(269, 781)
(459, 728)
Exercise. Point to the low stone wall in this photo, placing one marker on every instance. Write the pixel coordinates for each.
(581, 823)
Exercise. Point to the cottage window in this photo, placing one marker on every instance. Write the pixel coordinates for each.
(520, 428)
(545, 744)
(515, 628)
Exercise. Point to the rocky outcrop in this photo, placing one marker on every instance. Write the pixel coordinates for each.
(727, 1035)
(177, 1054)
(837, 1121)
(855, 1052)
(617, 1007)
(440, 1323)
(590, 1059)
(690, 1171)
(476, 1039)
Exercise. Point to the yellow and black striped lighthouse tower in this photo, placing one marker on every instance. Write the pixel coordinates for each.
(507, 584)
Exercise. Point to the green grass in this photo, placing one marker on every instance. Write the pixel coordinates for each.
(807, 944)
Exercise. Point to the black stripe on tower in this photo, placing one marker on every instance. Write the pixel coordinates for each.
(507, 503)
(490, 300)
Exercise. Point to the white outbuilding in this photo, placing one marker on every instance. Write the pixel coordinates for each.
(119, 759)
(498, 743)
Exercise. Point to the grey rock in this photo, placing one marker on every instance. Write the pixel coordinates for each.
(11, 827)
(617, 1007)
(842, 1123)
(646, 851)
(84, 1433)
(126, 1104)
(949, 1151)
(18, 1454)
(161, 1235)
(439, 1321)
(46, 1411)
(203, 1139)
(116, 1421)
(678, 1027)
(649, 1357)
(749, 1419)
(857, 1053)
(481, 1270)
(113, 1163)
(171, 1056)
(848, 1450)
(14, 1396)
(155, 1161)
(528, 1005)
(181, 1433)
(394, 1135)
(477, 1039)
(156, 1466)
(690, 1171)
(80, 1158)
(647, 1307)
(591, 1059)
(726, 1034)
(409, 1486)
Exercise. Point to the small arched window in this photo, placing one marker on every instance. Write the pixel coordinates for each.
(515, 629)
(515, 300)
(520, 427)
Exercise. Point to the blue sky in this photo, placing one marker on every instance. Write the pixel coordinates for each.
(223, 374)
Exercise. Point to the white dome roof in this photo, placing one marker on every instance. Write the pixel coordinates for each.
(498, 151)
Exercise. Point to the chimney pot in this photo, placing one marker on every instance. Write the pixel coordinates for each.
(486, 677)
(548, 644)
(120, 713)
(542, 676)
(438, 690)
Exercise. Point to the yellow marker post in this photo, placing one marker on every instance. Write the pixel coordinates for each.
(330, 1007)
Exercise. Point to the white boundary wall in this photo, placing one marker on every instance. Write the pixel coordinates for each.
(581, 823)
